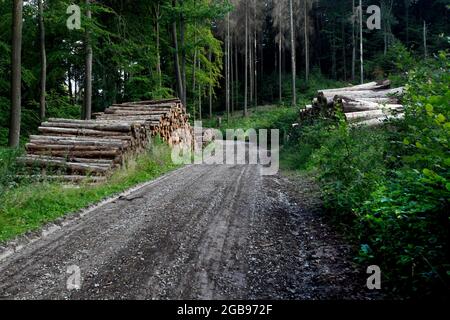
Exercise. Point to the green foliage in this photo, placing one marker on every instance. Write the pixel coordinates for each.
(390, 186)
(408, 216)
(394, 65)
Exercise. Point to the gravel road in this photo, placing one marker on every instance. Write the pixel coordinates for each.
(201, 232)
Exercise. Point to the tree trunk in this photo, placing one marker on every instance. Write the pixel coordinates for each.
(344, 53)
(250, 55)
(361, 40)
(176, 58)
(306, 41)
(280, 59)
(210, 84)
(353, 43)
(183, 56)
(16, 74)
(227, 67)
(407, 22)
(87, 111)
(246, 62)
(232, 84)
(425, 39)
(158, 53)
(255, 58)
(43, 60)
(333, 53)
(69, 84)
(200, 95)
(236, 73)
(291, 14)
(194, 68)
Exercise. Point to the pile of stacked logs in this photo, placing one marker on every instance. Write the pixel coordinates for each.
(368, 104)
(73, 150)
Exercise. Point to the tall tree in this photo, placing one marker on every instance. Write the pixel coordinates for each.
(227, 66)
(246, 62)
(16, 74)
(87, 110)
(353, 40)
(361, 49)
(293, 63)
(157, 9)
(43, 61)
(425, 50)
(178, 78)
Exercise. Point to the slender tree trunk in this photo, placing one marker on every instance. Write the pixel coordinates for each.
(280, 59)
(87, 114)
(255, 57)
(194, 68)
(210, 84)
(250, 55)
(425, 39)
(199, 96)
(361, 49)
(280, 70)
(407, 21)
(291, 14)
(256, 72)
(232, 85)
(43, 60)
(236, 73)
(158, 53)
(176, 59)
(183, 55)
(333, 53)
(69, 84)
(246, 62)
(227, 67)
(344, 53)
(353, 43)
(16, 74)
(306, 41)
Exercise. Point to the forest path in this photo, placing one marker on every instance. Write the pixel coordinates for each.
(201, 232)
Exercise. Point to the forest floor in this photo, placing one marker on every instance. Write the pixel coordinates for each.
(200, 232)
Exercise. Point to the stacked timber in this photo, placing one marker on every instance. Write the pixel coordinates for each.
(89, 150)
(166, 118)
(367, 104)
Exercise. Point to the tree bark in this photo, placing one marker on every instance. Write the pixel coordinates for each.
(87, 114)
(291, 14)
(361, 40)
(43, 60)
(16, 74)
(210, 84)
(236, 73)
(344, 53)
(255, 58)
(158, 53)
(183, 56)
(353, 42)
(227, 67)
(246, 62)
(280, 59)
(176, 57)
(306, 41)
(425, 39)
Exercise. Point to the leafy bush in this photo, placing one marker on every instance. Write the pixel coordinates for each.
(391, 185)
(405, 222)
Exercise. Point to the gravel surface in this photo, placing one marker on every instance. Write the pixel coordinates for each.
(201, 232)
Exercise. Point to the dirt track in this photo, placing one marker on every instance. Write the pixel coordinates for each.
(202, 232)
